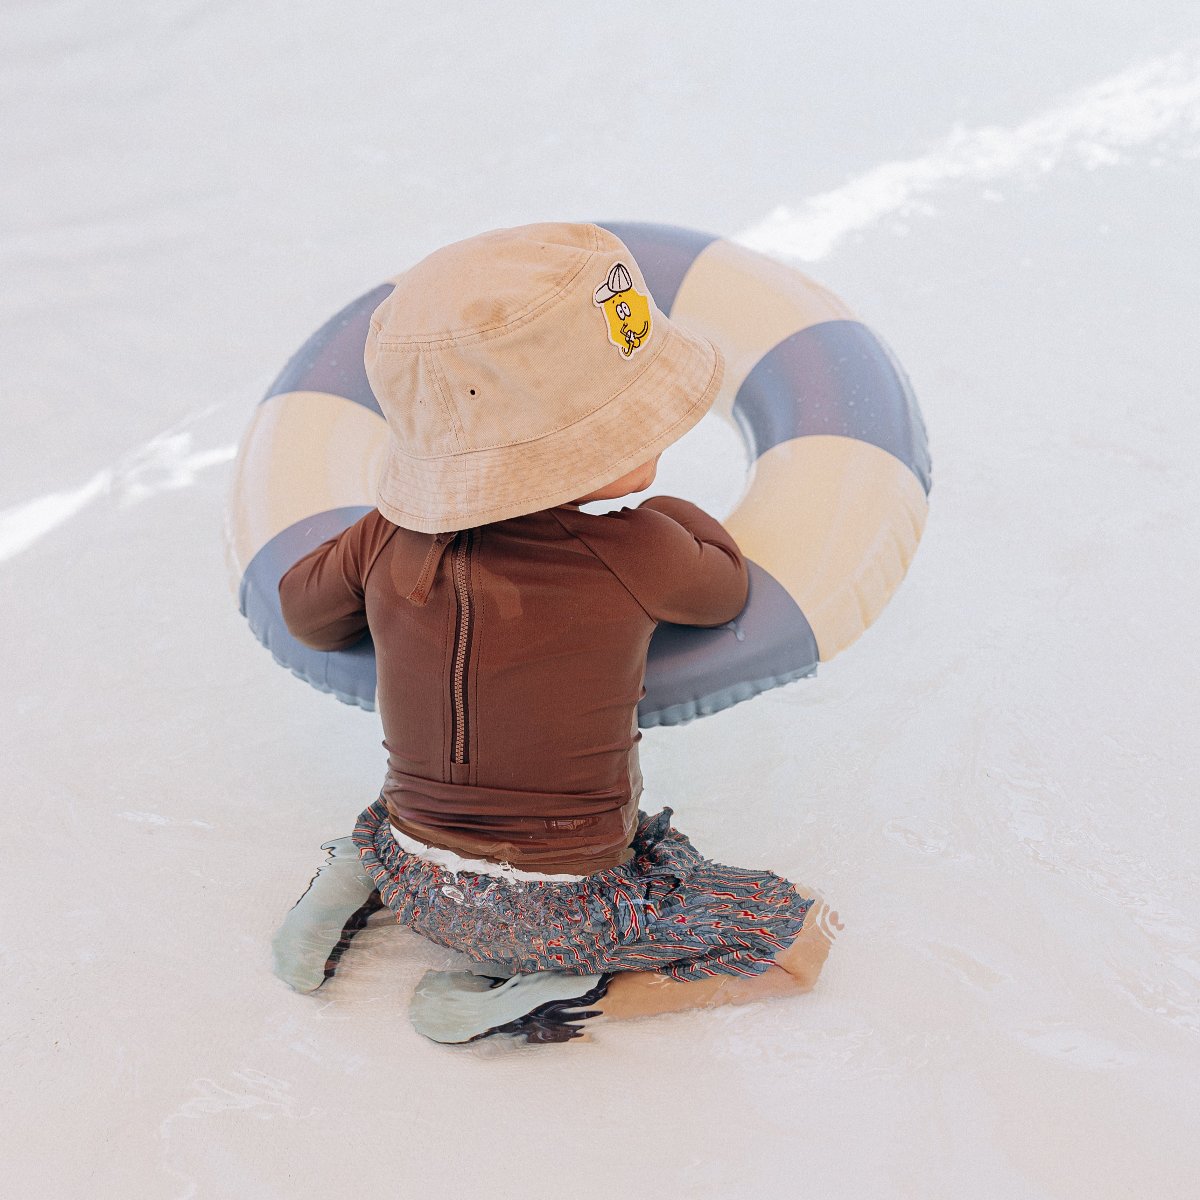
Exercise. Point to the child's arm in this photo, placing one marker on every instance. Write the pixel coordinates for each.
(702, 577)
(678, 563)
(321, 594)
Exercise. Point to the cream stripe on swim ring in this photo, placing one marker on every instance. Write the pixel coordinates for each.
(304, 452)
(829, 521)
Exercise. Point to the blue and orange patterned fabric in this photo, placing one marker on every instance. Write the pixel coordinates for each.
(669, 909)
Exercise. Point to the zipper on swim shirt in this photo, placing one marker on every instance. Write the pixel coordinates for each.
(464, 602)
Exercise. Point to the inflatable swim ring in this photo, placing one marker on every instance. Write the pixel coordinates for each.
(834, 508)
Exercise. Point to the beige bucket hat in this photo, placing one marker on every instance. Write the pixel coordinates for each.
(523, 368)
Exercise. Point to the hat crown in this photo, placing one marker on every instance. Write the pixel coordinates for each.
(483, 283)
(497, 340)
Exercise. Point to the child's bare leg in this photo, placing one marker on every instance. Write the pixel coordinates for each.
(644, 993)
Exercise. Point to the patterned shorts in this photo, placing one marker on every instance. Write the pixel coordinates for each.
(668, 909)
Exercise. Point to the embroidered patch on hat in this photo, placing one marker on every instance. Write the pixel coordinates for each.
(626, 309)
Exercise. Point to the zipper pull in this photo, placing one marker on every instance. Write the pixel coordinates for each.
(420, 592)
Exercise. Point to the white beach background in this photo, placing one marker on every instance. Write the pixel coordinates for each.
(995, 787)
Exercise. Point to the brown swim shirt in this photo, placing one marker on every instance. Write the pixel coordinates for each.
(511, 659)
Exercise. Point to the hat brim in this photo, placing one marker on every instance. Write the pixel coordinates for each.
(457, 491)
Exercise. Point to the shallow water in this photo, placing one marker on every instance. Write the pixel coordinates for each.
(994, 787)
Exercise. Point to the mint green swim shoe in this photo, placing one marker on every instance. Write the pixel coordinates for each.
(544, 1006)
(317, 930)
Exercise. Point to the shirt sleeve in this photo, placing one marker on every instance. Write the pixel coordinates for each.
(322, 595)
(680, 564)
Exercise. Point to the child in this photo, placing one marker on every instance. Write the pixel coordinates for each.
(524, 372)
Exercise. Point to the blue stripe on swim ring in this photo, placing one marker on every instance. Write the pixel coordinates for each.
(833, 378)
(332, 359)
(664, 253)
(691, 672)
(349, 674)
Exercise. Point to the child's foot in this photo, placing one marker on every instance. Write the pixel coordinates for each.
(805, 957)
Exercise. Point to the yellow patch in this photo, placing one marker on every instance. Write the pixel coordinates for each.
(626, 310)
